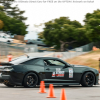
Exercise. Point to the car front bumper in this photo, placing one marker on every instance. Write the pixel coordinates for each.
(97, 79)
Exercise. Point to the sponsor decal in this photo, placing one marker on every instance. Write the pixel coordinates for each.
(53, 74)
(58, 73)
(70, 72)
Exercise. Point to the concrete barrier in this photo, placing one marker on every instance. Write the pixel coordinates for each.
(61, 55)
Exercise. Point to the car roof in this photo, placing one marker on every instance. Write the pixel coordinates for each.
(22, 59)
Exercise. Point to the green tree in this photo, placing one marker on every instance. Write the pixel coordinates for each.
(1, 24)
(14, 12)
(61, 31)
(12, 18)
(13, 25)
(40, 35)
(92, 25)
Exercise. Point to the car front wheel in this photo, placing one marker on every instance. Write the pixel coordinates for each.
(30, 80)
(88, 79)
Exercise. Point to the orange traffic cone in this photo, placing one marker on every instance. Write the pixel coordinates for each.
(51, 92)
(10, 57)
(63, 95)
(42, 87)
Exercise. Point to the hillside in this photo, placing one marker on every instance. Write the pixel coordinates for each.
(90, 59)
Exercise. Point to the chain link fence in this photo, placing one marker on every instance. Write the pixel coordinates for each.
(87, 47)
(20, 49)
(60, 55)
(6, 48)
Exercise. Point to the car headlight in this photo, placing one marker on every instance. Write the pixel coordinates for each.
(8, 69)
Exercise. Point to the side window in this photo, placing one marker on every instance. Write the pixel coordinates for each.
(40, 62)
(54, 63)
(29, 62)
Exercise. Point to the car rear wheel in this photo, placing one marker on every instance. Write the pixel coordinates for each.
(9, 85)
(88, 79)
(30, 80)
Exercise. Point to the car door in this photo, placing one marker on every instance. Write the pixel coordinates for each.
(57, 71)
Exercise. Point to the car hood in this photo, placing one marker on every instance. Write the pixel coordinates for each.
(84, 67)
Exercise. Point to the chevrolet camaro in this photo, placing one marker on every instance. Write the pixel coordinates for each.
(29, 71)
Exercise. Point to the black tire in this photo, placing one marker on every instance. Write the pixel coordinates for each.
(30, 80)
(9, 85)
(8, 41)
(88, 79)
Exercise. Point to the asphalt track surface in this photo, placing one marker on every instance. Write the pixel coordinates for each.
(72, 93)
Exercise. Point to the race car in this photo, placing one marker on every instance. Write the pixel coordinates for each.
(29, 71)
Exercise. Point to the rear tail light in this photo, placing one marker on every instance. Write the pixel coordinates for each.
(7, 69)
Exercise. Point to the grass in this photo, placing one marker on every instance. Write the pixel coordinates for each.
(90, 59)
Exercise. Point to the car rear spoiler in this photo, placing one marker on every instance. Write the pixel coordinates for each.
(5, 64)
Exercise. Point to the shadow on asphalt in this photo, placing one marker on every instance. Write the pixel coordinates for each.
(55, 86)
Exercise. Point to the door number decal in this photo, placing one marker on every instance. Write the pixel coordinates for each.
(70, 72)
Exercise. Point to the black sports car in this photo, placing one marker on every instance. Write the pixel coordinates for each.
(29, 71)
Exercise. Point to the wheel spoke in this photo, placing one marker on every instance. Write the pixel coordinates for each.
(31, 80)
(89, 79)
